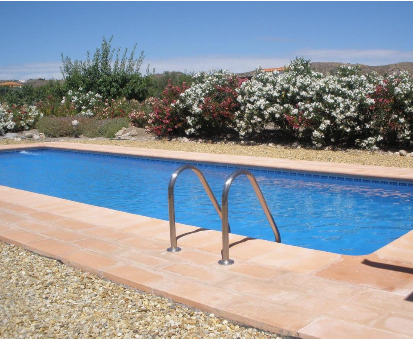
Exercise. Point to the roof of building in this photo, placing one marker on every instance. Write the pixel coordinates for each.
(273, 69)
(11, 84)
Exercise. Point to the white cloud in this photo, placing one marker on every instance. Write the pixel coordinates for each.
(48, 70)
(371, 57)
(51, 70)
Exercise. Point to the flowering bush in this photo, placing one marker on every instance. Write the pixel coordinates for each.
(209, 105)
(88, 104)
(345, 108)
(140, 114)
(81, 103)
(17, 118)
(165, 119)
(6, 120)
(119, 108)
(73, 103)
(390, 115)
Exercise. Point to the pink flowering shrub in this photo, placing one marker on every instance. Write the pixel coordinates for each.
(219, 107)
(390, 116)
(139, 115)
(164, 118)
(210, 104)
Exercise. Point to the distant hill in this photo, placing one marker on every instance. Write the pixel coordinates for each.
(327, 67)
(37, 82)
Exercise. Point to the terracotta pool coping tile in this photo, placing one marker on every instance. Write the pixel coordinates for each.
(109, 221)
(73, 224)
(11, 218)
(16, 208)
(215, 244)
(64, 235)
(52, 248)
(251, 249)
(147, 223)
(283, 256)
(390, 302)
(263, 314)
(371, 271)
(133, 276)
(89, 261)
(354, 312)
(315, 304)
(261, 289)
(198, 295)
(5, 228)
(313, 262)
(195, 272)
(313, 284)
(20, 237)
(196, 257)
(45, 217)
(150, 229)
(255, 271)
(148, 260)
(34, 226)
(396, 323)
(99, 246)
(199, 239)
(399, 250)
(330, 328)
(143, 244)
(105, 233)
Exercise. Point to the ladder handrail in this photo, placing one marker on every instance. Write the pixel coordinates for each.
(171, 201)
(225, 226)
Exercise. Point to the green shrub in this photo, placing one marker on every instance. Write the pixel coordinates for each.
(160, 82)
(56, 126)
(52, 92)
(89, 127)
(110, 126)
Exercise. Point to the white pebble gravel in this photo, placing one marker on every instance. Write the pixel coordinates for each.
(43, 298)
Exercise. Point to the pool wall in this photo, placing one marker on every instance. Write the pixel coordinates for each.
(280, 288)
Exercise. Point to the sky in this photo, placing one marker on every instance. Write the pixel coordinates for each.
(202, 36)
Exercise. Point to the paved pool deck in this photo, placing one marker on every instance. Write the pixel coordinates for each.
(280, 288)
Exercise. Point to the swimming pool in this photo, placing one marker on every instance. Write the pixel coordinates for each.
(343, 215)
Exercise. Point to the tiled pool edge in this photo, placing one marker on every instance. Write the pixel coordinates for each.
(352, 170)
(317, 323)
(300, 173)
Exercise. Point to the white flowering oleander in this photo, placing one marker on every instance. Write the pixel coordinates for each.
(9, 121)
(189, 101)
(6, 120)
(84, 103)
(323, 108)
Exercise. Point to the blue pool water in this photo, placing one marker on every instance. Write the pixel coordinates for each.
(337, 214)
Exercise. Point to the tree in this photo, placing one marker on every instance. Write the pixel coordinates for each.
(111, 79)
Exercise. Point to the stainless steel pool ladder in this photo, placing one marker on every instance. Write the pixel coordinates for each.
(222, 214)
(171, 201)
(225, 226)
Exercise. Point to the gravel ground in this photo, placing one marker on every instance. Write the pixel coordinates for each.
(380, 158)
(43, 298)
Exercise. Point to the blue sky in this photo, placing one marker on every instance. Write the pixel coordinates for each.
(195, 36)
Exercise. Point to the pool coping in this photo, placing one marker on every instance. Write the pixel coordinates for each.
(291, 291)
